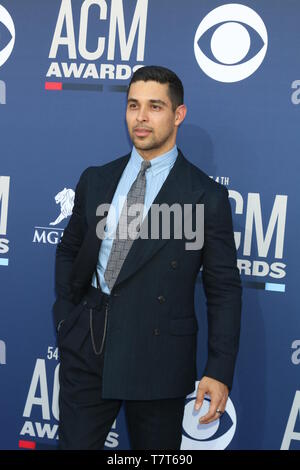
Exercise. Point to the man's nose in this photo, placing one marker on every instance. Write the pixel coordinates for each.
(142, 114)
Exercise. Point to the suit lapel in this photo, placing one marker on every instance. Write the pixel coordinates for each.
(86, 260)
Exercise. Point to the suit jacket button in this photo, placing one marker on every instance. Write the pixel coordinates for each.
(174, 263)
(156, 332)
(161, 299)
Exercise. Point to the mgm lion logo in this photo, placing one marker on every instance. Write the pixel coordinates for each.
(66, 200)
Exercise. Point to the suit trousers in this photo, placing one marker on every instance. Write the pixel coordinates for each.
(85, 417)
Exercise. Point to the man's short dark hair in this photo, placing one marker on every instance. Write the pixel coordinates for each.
(162, 75)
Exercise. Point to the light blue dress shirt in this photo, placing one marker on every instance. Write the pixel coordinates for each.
(155, 177)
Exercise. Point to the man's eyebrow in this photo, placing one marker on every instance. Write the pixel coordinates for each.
(158, 102)
(154, 101)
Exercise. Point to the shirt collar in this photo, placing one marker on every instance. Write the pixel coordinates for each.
(158, 164)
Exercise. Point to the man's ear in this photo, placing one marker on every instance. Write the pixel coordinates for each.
(180, 114)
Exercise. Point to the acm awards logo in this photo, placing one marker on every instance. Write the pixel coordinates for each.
(261, 242)
(230, 43)
(7, 21)
(65, 200)
(262, 237)
(88, 53)
(41, 412)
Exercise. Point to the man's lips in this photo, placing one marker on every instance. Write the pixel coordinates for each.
(141, 132)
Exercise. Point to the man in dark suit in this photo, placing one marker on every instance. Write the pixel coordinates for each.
(124, 311)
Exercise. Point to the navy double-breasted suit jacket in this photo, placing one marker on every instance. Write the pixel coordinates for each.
(151, 339)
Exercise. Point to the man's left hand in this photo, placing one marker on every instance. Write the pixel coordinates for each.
(218, 393)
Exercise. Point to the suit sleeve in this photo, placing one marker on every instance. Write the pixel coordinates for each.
(66, 253)
(222, 286)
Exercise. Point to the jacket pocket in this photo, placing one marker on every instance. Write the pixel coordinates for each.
(61, 309)
(183, 326)
(69, 321)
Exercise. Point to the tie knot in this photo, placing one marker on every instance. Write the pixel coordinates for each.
(144, 166)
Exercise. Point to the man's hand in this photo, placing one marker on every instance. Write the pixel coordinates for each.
(218, 393)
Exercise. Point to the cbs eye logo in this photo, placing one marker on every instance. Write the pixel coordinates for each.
(213, 436)
(7, 21)
(230, 43)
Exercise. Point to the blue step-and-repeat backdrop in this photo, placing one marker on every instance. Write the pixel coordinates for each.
(64, 68)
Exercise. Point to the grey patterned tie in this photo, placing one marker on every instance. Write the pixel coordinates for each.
(121, 246)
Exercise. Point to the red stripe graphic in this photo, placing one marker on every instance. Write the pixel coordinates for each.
(53, 86)
(27, 444)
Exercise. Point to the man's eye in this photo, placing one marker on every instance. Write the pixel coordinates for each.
(132, 106)
(154, 106)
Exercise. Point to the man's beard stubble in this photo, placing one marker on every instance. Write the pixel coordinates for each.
(154, 144)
